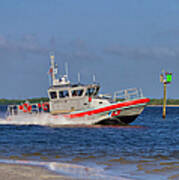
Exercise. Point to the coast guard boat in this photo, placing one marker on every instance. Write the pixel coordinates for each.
(83, 102)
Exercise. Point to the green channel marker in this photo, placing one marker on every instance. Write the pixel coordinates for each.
(169, 78)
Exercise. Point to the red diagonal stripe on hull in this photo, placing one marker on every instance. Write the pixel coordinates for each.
(110, 107)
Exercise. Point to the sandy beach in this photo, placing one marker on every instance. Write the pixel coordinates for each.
(26, 172)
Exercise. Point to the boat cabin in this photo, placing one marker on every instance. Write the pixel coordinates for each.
(67, 98)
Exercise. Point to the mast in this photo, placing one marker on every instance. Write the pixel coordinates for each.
(53, 69)
(52, 57)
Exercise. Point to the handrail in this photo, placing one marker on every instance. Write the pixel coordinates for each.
(127, 94)
(34, 108)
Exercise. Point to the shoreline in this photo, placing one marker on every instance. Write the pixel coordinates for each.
(28, 172)
(34, 170)
(170, 105)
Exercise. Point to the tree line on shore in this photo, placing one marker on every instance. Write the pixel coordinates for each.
(160, 102)
(45, 99)
(21, 101)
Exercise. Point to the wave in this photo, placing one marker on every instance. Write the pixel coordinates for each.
(67, 169)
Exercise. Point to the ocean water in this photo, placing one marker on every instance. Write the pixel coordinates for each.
(146, 149)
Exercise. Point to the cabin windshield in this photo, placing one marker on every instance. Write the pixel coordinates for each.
(53, 95)
(63, 94)
(78, 92)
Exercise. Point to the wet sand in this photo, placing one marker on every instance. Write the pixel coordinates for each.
(26, 172)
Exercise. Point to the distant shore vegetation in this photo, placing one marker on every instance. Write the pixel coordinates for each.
(160, 102)
(19, 101)
(45, 99)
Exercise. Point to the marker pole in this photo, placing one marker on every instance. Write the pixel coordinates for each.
(165, 78)
(164, 99)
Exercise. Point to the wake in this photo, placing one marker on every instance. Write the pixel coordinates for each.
(44, 119)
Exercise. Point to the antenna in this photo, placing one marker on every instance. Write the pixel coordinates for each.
(66, 68)
(52, 55)
(94, 78)
(78, 77)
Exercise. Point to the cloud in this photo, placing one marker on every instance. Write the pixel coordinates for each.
(78, 44)
(77, 49)
(79, 55)
(27, 43)
(143, 53)
(86, 55)
(3, 41)
(169, 34)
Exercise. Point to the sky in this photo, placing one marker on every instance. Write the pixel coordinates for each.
(125, 43)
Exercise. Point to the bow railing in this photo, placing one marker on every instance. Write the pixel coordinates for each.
(126, 94)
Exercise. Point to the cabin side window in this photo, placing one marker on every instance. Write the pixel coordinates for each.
(63, 94)
(90, 91)
(78, 92)
(96, 92)
(53, 95)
